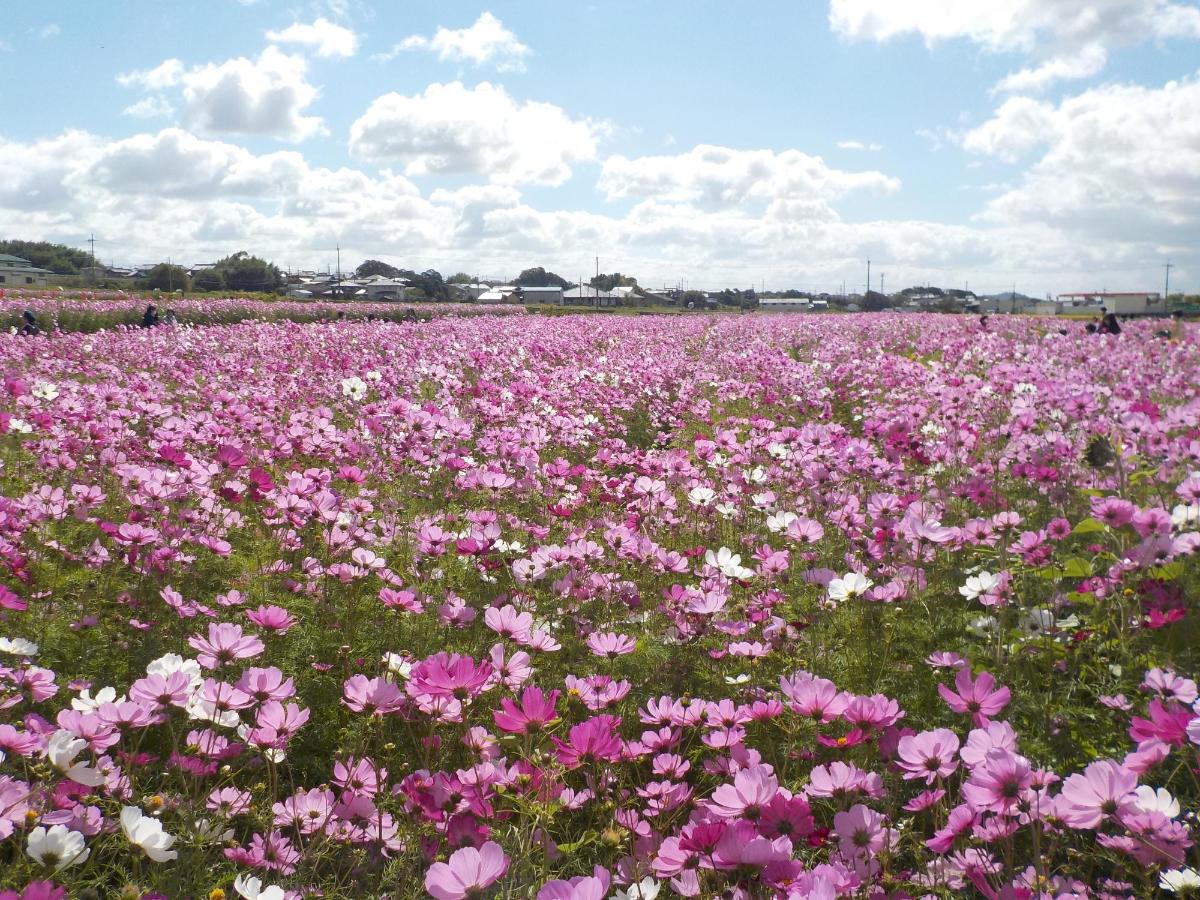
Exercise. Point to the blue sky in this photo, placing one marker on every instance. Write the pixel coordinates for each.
(1051, 144)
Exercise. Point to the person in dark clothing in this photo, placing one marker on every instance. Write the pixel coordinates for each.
(150, 317)
(29, 324)
(1109, 324)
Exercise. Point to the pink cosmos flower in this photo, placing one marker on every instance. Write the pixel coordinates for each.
(172, 689)
(817, 698)
(609, 644)
(751, 790)
(1168, 723)
(449, 675)
(861, 831)
(266, 684)
(999, 783)
(536, 710)
(273, 618)
(225, 644)
(467, 873)
(945, 660)
(929, 755)
(584, 887)
(1103, 790)
(373, 696)
(979, 696)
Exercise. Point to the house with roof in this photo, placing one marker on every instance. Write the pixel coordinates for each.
(585, 295)
(16, 272)
(1123, 303)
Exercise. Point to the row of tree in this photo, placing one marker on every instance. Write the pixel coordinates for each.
(56, 258)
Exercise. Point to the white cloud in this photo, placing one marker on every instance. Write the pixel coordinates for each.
(267, 96)
(488, 40)
(167, 73)
(718, 177)
(49, 31)
(859, 145)
(324, 37)
(1119, 161)
(151, 107)
(1071, 36)
(454, 130)
(174, 193)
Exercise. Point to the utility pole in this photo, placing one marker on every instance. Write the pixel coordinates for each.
(868, 277)
(881, 277)
(339, 266)
(170, 276)
(92, 242)
(1167, 286)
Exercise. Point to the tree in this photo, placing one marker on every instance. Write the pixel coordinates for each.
(539, 277)
(376, 267)
(605, 282)
(208, 280)
(694, 300)
(58, 258)
(429, 283)
(243, 272)
(875, 301)
(460, 278)
(166, 277)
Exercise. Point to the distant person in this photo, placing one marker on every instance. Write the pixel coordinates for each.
(1109, 325)
(983, 322)
(1175, 332)
(29, 324)
(150, 316)
(169, 318)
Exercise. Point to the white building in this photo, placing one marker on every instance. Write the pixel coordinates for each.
(16, 272)
(779, 304)
(1122, 303)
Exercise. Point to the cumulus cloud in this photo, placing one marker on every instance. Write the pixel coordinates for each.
(1118, 160)
(454, 130)
(152, 107)
(175, 193)
(859, 145)
(487, 41)
(719, 177)
(323, 37)
(266, 96)
(1071, 36)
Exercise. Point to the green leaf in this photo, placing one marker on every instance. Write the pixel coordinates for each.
(1087, 526)
(1076, 567)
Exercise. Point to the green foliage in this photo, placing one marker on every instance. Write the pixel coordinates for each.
(57, 258)
(539, 277)
(167, 277)
(243, 272)
(616, 279)
(376, 267)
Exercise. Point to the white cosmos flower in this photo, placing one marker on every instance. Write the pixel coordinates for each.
(354, 387)
(172, 663)
(977, 585)
(398, 665)
(45, 390)
(1186, 516)
(147, 833)
(779, 522)
(1037, 621)
(252, 889)
(728, 510)
(701, 496)
(729, 563)
(207, 832)
(1156, 800)
(86, 703)
(61, 750)
(757, 475)
(778, 451)
(56, 847)
(207, 711)
(983, 626)
(1179, 880)
(18, 646)
(849, 585)
(646, 889)
(737, 679)
(20, 426)
(374, 376)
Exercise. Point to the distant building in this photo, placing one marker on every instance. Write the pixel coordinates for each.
(590, 296)
(549, 294)
(1123, 303)
(778, 304)
(18, 272)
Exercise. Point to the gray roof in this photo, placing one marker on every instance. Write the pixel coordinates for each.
(8, 260)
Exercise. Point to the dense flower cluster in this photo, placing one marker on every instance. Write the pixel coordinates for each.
(787, 607)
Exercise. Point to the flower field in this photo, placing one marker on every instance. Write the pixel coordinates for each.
(582, 607)
(91, 312)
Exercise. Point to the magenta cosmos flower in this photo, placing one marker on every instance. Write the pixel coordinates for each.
(536, 710)
(467, 873)
(977, 696)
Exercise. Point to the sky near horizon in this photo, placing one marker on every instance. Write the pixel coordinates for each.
(1050, 145)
